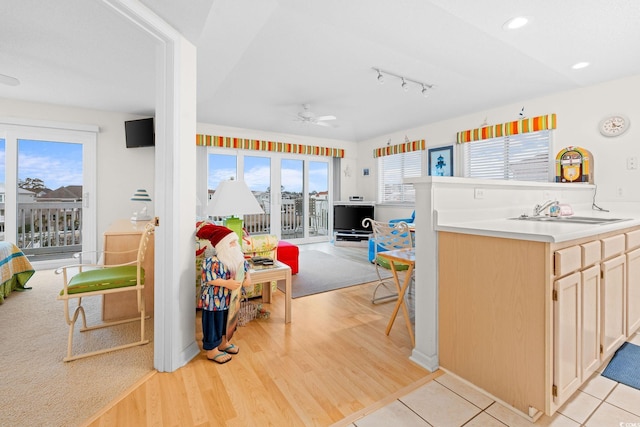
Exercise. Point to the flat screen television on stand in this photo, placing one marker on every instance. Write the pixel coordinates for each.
(140, 133)
(347, 219)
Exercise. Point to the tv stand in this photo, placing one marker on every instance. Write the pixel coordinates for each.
(360, 239)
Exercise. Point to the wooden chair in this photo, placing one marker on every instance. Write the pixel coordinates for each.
(387, 237)
(93, 280)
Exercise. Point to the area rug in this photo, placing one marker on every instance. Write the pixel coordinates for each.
(37, 387)
(625, 366)
(322, 272)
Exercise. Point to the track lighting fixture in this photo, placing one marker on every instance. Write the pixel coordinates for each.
(425, 91)
(405, 81)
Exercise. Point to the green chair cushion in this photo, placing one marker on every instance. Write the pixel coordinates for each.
(384, 263)
(104, 278)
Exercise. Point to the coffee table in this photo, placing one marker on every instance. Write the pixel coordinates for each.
(278, 271)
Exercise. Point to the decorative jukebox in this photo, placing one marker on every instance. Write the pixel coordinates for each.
(574, 164)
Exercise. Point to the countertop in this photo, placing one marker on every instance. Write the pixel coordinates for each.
(497, 224)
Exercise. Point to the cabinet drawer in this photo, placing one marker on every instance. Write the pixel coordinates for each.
(568, 260)
(591, 253)
(613, 246)
(633, 239)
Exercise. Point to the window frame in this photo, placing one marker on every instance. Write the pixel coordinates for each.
(406, 193)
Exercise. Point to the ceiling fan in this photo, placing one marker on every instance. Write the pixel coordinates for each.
(8, 80)
(306, 116)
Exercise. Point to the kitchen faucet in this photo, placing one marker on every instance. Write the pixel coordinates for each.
(538, 209)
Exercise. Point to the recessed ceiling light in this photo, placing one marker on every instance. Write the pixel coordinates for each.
(515, 23)
(580, 65)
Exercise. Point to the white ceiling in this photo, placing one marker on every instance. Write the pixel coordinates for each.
(260, 60)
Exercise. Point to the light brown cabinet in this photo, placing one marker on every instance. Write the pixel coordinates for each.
(633, 282)
(590, 321)
(567, 373)
(576, 319)
(124, 235)
(613, 306)
(528, 321)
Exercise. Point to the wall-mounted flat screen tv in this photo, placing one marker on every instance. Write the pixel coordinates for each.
(348, 218)
(140, 133)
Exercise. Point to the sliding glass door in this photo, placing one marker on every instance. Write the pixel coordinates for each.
(49, 195)
(48, 181)
(2, 188)
(293, 191)
(305, 199)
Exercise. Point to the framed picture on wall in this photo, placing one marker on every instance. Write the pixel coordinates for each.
(441, 161)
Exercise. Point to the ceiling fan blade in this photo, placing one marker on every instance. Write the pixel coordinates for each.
(325, 124)
(8, 80)
(326, 118)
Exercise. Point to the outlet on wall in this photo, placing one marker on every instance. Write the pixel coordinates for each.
(620, 192)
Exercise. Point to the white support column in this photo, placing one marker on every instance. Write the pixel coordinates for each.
(425, 352)
(175, 199)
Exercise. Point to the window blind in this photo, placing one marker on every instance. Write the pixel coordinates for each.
(524, 157)
(391, 172)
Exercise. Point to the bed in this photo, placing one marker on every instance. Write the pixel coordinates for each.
(15, 270)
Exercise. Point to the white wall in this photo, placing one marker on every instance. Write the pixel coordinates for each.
(120, 170)
(578, 114)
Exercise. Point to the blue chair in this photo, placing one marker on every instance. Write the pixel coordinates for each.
(410, 220)
(387, 237)
(373, 250)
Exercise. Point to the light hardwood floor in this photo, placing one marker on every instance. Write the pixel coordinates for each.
(332, 361)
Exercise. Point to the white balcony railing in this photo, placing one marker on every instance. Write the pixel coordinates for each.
(49, 228)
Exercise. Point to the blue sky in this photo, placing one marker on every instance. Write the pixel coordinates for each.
(58, 164)
(258, 173)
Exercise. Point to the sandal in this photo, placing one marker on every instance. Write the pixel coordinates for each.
(231, 349)
(215, 358)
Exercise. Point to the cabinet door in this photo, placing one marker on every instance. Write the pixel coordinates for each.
(633, 291)
(566, 338)
(613, 306)
(590, 328)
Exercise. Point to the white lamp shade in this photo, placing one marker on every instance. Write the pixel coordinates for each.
(233, 198)
(141, 195)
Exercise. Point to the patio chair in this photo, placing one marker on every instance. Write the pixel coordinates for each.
(387, 237)
(93, 280)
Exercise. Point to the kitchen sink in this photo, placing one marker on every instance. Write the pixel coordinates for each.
(571, 219)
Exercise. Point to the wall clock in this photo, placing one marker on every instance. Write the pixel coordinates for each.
(614, 125)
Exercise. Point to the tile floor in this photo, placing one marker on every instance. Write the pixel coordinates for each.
(447, 401)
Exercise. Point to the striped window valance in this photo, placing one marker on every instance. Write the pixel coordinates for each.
(255, 144)
(533, 124)
(399, 148)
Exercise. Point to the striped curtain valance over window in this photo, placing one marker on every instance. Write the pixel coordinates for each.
(533, 124)
(405, 147)
(255, 144)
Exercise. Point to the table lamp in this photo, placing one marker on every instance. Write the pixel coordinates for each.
(233, 198)
(141, 195)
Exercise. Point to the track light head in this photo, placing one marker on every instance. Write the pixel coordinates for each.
(425, 91)
(380, 77)
(405, 86)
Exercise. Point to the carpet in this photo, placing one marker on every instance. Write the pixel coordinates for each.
(36, 387)
(625, 366)
(321, 272)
